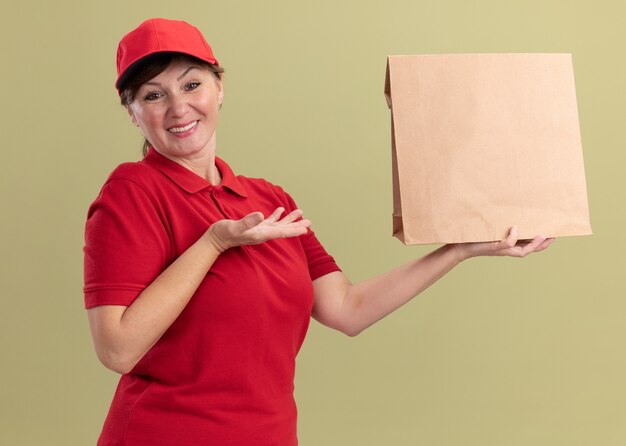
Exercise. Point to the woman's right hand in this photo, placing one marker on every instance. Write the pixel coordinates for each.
(122, 335)
(254, 228)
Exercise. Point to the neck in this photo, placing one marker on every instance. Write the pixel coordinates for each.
(202, 164)
(213, 174)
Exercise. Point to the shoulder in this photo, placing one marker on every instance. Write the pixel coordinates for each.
(128, 184)
(134, 172)
(135, 175)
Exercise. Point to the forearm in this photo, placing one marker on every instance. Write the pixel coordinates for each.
(367, 302)
(122, 335)
(131, 332)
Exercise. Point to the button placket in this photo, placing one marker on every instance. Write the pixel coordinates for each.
(215, 196)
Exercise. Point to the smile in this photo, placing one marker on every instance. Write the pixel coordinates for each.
(184, 128)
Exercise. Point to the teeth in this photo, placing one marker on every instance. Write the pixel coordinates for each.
(183, 129)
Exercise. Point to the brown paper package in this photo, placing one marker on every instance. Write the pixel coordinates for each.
(484, 141)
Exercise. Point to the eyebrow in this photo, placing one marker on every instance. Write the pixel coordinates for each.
(178, 78)
(185, 73)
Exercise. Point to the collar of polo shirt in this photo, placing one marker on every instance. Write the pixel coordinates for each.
(191, 182)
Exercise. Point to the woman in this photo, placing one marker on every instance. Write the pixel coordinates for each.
(200, 284)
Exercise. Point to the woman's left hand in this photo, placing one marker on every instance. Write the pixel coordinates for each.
(510, 246)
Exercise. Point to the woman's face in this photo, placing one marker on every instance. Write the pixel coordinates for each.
(177, 110)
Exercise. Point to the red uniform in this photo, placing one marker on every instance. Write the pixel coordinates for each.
(223, 373)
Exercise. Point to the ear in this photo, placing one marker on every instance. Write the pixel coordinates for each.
(133, 118)
(220, 91)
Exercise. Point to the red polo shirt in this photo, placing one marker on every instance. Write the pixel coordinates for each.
(223, 373)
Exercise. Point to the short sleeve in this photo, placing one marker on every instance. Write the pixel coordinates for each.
(126, 244)
(319, 261)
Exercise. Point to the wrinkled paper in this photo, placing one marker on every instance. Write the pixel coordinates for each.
(484, 141)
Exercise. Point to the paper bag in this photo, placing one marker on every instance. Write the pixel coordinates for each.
(481, 142)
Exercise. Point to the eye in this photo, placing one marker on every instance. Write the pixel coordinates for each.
(192, 85)
(152, 96)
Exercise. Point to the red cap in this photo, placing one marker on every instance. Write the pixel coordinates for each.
(157, 36)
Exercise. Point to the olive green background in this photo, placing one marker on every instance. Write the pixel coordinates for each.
(499, 352)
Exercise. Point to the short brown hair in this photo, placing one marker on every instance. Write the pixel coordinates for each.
(150, 67)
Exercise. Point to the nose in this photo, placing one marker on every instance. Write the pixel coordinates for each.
(177, 105)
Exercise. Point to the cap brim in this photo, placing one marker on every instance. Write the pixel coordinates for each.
(138, 65)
